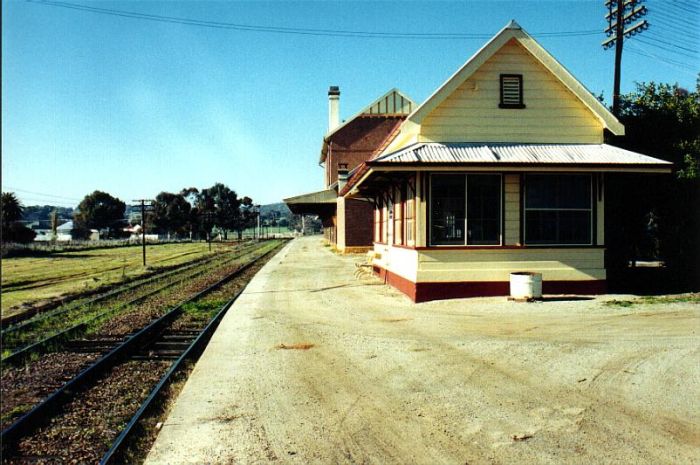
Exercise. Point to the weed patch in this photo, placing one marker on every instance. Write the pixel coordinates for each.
(17, 411)
(619, 303)
(655, 299)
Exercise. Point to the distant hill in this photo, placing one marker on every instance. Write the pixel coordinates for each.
(280, 207)
(42, 214)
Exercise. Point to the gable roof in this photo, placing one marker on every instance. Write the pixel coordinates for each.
(513, 31)
(362, 168)
(392, 103)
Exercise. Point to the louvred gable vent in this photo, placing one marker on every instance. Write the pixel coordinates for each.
(511, 91)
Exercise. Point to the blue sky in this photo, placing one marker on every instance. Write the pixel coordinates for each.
(134, 107)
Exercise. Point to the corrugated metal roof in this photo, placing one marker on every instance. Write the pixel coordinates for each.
(324, 196)
(579, 154)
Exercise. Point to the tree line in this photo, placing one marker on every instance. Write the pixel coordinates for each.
(190, 213)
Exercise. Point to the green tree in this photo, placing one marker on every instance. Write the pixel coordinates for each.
(659, 216)
(100, 210)
(220, 204)
(248, 216)
(663, 120)
(171, 213)
(11, 209)
(12, 229)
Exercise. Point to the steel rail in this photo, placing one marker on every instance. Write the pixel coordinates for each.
(40, 413)
(23, 353)
(193, 352)
(11, 327)
(40, 317)
(16, 322)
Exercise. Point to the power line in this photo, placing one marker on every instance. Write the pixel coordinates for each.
(672, 45)
(680, 7)
(43, 202)
(668, 49)
(675, 22)
(679, 21)
(669, 23)
(41, 193)
(673, 33)
(289, 30)
(676, 64)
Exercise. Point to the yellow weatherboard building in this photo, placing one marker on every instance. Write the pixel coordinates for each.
(502, 169)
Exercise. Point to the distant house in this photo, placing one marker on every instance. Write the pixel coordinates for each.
(347, 223)
(64, 233)
(502, 169)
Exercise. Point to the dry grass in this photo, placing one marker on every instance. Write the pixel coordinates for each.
(29, 280)
(297, 346)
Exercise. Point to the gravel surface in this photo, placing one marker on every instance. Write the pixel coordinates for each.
(85, 429)
(477, 381)
(25, 386)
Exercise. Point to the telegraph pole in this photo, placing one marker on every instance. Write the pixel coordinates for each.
(143, 226)
(208, 217)
(258, 228)
(619, 29)
(624, 12)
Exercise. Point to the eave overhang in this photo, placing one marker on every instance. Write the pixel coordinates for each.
(598, 158)
(321, 203)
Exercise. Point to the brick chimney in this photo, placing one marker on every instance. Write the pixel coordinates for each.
(333, 108)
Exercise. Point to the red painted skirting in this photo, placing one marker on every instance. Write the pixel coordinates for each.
(423, 292)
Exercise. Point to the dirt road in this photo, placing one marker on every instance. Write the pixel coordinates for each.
(475, 381)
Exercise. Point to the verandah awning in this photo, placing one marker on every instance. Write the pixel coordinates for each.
(320, 203)
(492, 156)
(545, 154)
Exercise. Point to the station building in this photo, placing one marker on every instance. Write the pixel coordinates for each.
(502, 169)
(347, 223)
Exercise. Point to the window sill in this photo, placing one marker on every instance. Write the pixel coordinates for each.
(516, 106)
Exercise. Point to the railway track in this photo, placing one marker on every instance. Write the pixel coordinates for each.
(27, 383)
(29, 317)
(92, 296)
(104, 403)
(30, 337)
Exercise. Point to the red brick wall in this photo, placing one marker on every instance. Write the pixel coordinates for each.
(358, 223)
(329, 229)
(357, 141)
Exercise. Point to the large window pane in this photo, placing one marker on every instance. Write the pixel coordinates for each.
(558, 209)
(558, 191)
(483, 209)
(447, 196)
(558, 227)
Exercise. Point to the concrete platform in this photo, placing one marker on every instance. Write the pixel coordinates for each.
(314, 366)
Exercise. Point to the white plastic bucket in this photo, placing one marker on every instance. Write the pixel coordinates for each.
(526, 285)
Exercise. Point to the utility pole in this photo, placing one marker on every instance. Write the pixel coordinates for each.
(208, 217)
(621, 13)
(143, 226)
(258, 228)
